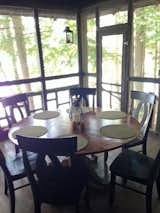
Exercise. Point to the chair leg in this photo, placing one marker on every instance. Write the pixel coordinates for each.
(17, 149)
(112, 189)
(12, 201)
(105, 156)
(149, 199)
(158, 184)
(144, 148)
(77, 208)
(12, 196)
(37, 208)
(124, 181)
(124, 147)
(37, 204)
(5, 186)
(106, 169)
(87, 198)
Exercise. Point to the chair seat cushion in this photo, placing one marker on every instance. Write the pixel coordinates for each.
(133, 166)
(15, 165)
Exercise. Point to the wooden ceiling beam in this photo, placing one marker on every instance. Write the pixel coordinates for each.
(49, 4)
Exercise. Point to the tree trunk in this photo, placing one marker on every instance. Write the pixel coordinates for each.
(4, 74)
(12, 50)
(18, 27)
(139, 58)
(21, 49)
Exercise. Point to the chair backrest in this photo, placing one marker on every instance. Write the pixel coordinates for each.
(82, 95)
(14, 106)
(47, 150)
(144, 109)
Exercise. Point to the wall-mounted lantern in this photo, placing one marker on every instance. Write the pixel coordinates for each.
(69, 35)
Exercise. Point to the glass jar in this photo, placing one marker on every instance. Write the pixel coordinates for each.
(75, 112)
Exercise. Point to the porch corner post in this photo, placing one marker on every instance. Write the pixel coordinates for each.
(79, 49)
(38, 34)
(128, 57)
(98, 62)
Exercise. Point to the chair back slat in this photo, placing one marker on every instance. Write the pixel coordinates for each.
(138, 111)
(146, 103)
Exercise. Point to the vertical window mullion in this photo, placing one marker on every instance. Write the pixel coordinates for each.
(39, 43)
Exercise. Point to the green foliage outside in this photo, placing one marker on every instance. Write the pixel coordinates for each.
(19, 54)
(147, 29)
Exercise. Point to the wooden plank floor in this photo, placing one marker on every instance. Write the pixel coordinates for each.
(125, 202)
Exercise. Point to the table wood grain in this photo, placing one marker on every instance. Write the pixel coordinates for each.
(63, 126)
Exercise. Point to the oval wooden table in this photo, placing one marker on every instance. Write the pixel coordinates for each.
(62, 126)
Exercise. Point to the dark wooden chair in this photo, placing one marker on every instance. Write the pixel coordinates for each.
(82, 95)
(143, 113)
(13, 169)
(54, 182)
(16, 108)
(136, 167)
